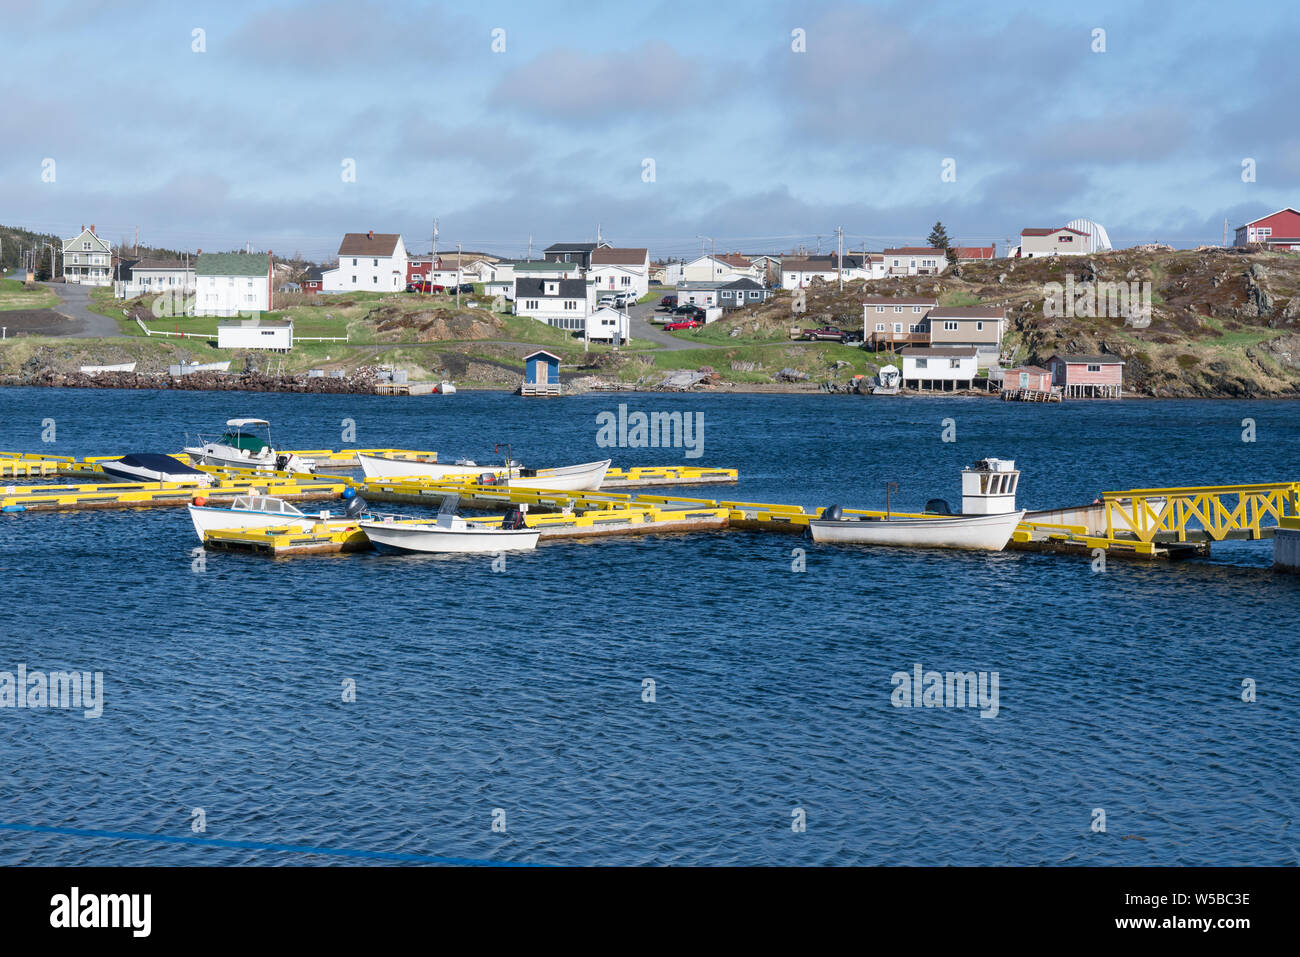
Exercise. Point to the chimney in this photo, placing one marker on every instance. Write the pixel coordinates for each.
(92, 229)
(199, 253)
(369, 235)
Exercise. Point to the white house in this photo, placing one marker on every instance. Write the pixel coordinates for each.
(615, 269)
(605, 322)
(940, 368)
(702, 294)
(231, 284)
(797, 272)
(369, 261)
(563, 303)
(155, 276)
(87, 259)
(276, 334)
(1064, 241)
(725, 268)
(915, 261)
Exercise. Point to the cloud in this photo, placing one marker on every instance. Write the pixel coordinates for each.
(585, 89)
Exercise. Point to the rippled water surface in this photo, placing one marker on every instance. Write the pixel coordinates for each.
(522, 690)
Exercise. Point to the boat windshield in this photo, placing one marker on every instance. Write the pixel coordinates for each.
(264, 503)
(241, 440)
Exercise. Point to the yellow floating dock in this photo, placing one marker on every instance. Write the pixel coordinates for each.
(38, 498)
(347, 536)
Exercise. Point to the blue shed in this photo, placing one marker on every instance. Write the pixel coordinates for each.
(541, 374)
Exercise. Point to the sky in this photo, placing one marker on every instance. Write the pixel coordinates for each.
(753, 127)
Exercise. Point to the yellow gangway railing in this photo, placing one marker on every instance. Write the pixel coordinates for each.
(1215, 512)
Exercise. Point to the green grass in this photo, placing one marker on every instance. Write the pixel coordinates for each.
(14, 296)
(957, 298)
(1237, 338)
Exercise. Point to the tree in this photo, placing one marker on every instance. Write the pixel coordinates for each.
(938, 238)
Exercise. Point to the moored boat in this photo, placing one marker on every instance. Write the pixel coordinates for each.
(572, 478)
(256, 510)
(243, 446)
(153, 467)
(986, 522)
(449, 533)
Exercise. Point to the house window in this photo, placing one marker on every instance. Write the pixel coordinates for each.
(1067, 239)
(898, 309)
(880, 308)
(950, 326)
(880, 327)
(923, 363)
(916, 327)
(85, 245)
(753, 294)
(376, 262)
(627, 280)
(954, 363)
(898, 327)
(979, 327)
(1265, 230)
(916, 308)
(1094, 368)
(354, 262)
(354, 278)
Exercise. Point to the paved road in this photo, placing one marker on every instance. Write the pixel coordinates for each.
(642, 329)
(73, 299)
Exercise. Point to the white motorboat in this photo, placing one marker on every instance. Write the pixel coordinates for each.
(152, 467)
(241, 446)
(987, 520)
(449, 533)
(979, 532)
(572, 478)
(257, 511)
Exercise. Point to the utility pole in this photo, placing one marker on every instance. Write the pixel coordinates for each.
(819, 245)
(839, 255)
(530, 248)
(458, 276)
(1225, 230)
(598, 234)
(135, 250)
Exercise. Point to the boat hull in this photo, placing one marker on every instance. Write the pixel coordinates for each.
(155, 470)
(973, 532)
(441, 540)
(377, 467)
(574, 478)
(206, 518)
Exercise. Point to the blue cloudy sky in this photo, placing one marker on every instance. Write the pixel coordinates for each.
(756, 146)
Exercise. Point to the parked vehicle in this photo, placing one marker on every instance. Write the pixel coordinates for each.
(682, 324)
(667, 302)
(826, 334)
(465, 287)
(422, 287)
(690, 309)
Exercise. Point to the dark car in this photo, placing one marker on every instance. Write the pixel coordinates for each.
(689, 309)
(465, 287)
(668, 302)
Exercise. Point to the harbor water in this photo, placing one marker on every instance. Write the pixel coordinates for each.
(722, 698)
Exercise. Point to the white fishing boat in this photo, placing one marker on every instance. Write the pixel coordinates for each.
(243, 445)
(152, 467)
(449, 533)
(986, 522)
(119, 367)
(572, 478)
(256, 510)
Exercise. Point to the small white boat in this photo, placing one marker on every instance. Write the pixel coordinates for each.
(381, 467)
(572, 478)
(242, 447)
(978, 532)
(120, 367)
(987, 520)
(152, 467)
(255, 511)
(447, 533)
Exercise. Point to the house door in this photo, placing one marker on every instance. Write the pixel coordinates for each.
(1024, 380)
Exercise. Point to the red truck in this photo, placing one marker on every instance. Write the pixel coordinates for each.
(826, 334)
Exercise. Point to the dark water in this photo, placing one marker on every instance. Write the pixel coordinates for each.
(522, 690)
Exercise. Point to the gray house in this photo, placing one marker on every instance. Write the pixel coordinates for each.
(743, 292)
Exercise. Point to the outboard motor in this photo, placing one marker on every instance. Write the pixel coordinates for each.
(832, 513)
(937, 506)
(514, 519)
(281, 462)
(356, 507)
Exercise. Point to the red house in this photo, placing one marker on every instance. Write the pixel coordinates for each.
(1280, 230)
(419, 268)
(312, 281)
(1088, 377)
